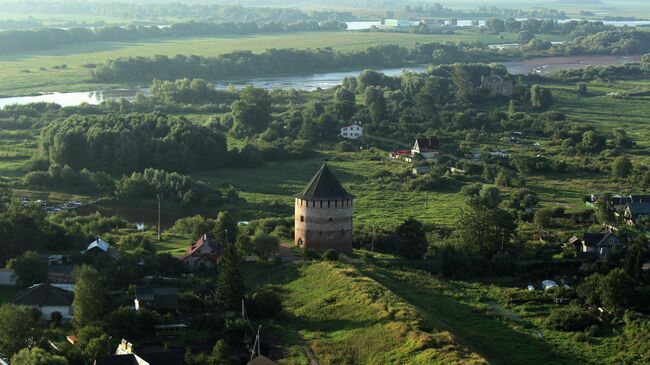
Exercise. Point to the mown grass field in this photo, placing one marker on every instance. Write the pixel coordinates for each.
(33, 72)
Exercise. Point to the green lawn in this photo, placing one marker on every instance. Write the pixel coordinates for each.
(269, 189)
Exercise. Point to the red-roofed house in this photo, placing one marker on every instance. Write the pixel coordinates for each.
(429, 148)
(204, 251)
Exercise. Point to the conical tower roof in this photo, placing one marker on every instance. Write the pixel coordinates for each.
(323, 186)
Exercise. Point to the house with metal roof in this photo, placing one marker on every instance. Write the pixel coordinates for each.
(158, 299)
(48, 299)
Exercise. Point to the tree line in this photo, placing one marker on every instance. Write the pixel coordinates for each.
(278, 61)
(153, 11)
(48, 38)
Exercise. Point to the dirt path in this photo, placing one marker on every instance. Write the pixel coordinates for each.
(313, 359)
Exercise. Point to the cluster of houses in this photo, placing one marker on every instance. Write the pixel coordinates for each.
(69, 205)
(631, 207)
(401, 23)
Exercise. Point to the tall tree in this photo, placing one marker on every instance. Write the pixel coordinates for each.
(621, 167)
(37, 356)
(17, 328)
(225, 223)
(88, 304)
(252, 112)
(605, 209)
(540, 97)
(28, 268)
(344, 104)
(411, 239)
(230, 283)
(484, 227)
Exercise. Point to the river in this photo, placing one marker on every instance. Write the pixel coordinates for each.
(321, 80)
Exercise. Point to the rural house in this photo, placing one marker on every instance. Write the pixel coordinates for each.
(205, 251)
(498, 84)
(634, 211)
(429, 148)
(48, 299)
(600, 244)
(352, 131)
(101, 247)
(158, 299)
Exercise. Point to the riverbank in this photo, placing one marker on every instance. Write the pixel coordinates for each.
(67, 69)
(308, 82)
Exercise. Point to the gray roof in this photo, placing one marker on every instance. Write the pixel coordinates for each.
(324, 185)
(162, 298)
(600, 239)
(638, 209)
(44, 295)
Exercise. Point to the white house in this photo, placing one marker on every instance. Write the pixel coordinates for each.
(352, 131)
(48, 299)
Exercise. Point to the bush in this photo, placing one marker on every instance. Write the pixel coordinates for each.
(331, 255)
(344, 146)
(310, 255)
(569, 319)
(266, 304)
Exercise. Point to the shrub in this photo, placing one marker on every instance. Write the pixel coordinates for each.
(569, 319)
(266, 304)
(345, 146)
(331, 255)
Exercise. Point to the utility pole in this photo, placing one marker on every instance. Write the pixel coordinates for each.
(159, 198)
(226, 236)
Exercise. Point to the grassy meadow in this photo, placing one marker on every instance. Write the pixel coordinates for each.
(368, 314)
(34, 72)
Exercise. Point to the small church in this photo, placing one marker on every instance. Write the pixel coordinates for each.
(323, 214)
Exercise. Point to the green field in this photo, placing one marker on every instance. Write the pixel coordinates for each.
(365, 314)
(22, 73)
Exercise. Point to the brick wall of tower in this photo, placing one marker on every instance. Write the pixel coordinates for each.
(324, 224)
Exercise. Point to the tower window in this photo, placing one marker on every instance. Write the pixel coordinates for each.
(343, 232)
(320, 232)
(328, 203)
(321, 203)
(329, 219)
(302, 218)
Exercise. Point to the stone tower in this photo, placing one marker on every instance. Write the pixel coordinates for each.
(324, 214)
